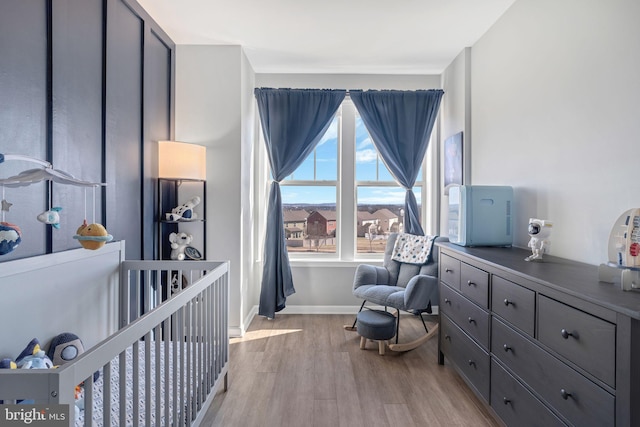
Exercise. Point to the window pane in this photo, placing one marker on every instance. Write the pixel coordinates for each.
(310, 219)
(327, 154)
(380, 212)
(369, 165)
(322, 163)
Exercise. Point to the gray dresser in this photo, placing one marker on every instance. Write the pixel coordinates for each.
(542, 343)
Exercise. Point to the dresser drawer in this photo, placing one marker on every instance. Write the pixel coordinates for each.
(467, 315)
(471, 360)
(514, 303)
(586, 340)
(450, 271)
(575, 397)
(474, 283)
(515, 405)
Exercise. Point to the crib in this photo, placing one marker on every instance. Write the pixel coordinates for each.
(156, 333)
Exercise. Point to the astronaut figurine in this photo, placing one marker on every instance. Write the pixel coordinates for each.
(540, 231)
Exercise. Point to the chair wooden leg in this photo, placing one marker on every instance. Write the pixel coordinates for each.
(381, 345)
(415, 343)
(363, 343)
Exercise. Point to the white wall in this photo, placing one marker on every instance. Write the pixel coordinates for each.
(455, 116)
(555, 90)
(209, 108)
(326, 287)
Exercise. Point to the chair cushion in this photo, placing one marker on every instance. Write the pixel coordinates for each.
(385, 295)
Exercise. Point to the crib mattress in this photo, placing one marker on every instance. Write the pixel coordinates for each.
(177, 386)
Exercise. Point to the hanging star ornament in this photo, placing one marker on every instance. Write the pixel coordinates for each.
(6, 205)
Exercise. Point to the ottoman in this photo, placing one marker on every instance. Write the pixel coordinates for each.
(375, 325)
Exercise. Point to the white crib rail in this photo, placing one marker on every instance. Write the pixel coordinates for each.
(189, 328)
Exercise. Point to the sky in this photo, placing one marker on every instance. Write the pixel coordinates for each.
(368, 164)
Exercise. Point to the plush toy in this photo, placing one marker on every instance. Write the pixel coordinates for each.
(184, 211)
(179, 241)
(33, 357)
(66, 347)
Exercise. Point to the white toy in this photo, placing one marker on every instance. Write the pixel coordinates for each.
(540, 231)
(184, 211)
(179, 241)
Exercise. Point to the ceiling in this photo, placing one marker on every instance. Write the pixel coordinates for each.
(333, 36)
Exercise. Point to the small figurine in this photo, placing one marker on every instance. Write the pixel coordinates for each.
(185, 211)
(540, 231)
(179, 242)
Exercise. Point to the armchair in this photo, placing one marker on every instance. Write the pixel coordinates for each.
(406, 287)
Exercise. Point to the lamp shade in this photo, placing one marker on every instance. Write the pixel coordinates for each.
(181, 160)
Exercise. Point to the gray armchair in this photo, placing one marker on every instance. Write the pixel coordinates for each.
(405, 287)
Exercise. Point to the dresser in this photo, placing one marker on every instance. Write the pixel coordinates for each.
(542, 343)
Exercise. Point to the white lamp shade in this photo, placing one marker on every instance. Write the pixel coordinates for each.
(181, 160)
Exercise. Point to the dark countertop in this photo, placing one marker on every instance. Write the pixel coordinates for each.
(567, 276)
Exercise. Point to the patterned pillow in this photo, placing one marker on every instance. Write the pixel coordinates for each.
(412, 249)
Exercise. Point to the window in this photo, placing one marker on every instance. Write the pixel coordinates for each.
(379, 199)
(309, 198)
(342, 202)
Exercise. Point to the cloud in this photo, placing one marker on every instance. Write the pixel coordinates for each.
(365, 143)
(366, 156)
(381, 196)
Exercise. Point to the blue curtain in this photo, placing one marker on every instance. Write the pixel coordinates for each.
(293, 122)
(400, 124)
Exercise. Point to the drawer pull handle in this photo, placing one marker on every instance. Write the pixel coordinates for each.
(507, 348)
(471, 320)
(566, 334)
(447, 301)
(506, 401)
(470, 283)
(472, 363)
(507, 302)
(447, 337)
(448, 270)
(565, 395)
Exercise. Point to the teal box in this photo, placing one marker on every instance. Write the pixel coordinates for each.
(481, 215)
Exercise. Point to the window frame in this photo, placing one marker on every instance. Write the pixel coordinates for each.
(346, 193)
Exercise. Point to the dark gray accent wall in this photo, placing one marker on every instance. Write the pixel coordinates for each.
(87, 85)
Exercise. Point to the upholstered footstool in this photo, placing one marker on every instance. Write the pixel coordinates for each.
(377, 326)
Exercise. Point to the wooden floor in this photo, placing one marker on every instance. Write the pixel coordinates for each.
(306, 370)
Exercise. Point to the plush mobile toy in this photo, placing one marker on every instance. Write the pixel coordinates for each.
(540, 231)
(10, 237)
(92, 236)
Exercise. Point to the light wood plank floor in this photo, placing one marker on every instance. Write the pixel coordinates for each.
(306, 370)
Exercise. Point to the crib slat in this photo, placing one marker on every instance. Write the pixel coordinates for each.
(135, 383)
(122, 375)
(188, 367)
(147, 378)
(174, 329)
(106, 400)
(166, 325)
(88, 401)
(158, 378)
